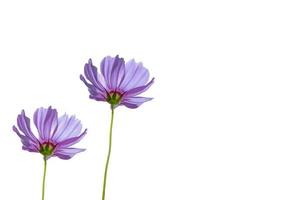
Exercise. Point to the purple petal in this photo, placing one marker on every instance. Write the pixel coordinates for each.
(113, 71)
(67, 153)
(30, 149)
(91, 74)
(68, 127)
(138, 90)
(134, 102)
(70, 141)
(136, 75)
(118, 72)
(95, 93)
(24, 126)
(97, 97)
(28, 144)
(46, 122)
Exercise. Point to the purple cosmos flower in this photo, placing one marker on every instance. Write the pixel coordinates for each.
(56, 135)
(119, 83)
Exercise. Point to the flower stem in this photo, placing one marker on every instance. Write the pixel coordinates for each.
(109, 151)
(44, 178)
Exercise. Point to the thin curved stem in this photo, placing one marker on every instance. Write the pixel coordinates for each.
(109, 151)
(44, 178)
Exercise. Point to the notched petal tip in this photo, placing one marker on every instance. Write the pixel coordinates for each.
(151, 82)
(121, 60)
(14, 128)
(82, 77)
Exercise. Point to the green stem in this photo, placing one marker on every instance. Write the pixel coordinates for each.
(44, 178)
(109, 151)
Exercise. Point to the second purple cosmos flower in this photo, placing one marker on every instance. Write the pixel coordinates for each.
(118, 83)
(56, 135)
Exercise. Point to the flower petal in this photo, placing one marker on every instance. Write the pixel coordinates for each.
(24, 126)
(45, 120)
(92, 75)
(136, 75)
(118, 72)
(30, 149)
(67, 153)
(28, 144)
(138, 90)
(73, 140)
(113, 71)
(68, 127)
(134, 102)
(95, 93)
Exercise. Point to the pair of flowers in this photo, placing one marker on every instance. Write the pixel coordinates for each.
(118, 83)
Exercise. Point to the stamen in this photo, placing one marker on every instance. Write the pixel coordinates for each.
(47, 148)
(114, 98)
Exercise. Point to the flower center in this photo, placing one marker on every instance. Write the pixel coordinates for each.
(47, 148)
(114, 98)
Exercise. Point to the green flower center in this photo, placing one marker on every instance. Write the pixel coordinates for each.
(47, 148)
(114, 98)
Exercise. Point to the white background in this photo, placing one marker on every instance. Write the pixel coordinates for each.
(224, 123)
